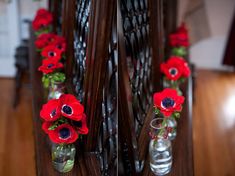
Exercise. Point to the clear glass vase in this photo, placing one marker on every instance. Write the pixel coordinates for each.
(160, 150)
(55, 90)
(172, 128)
(63, 156)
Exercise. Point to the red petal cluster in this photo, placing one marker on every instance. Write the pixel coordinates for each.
(175, 68)
(51, 52)
(64, 133)
(45, 39)
(68, 106)
(180, 37)
(168, 101)
(42, 19)
(49, 65)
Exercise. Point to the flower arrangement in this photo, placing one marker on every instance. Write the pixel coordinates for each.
(179, 41)
(42, 21)
(64, 120)
(168, 102)
(175, 71)
(51, 48)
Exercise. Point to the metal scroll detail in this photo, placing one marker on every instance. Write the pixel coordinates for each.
(80, 45)
(107, 141)
(135, 18)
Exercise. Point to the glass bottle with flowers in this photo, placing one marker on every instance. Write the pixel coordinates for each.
(52, 54)
(64, 122)
(160, 149)
(42, 22)
(175, 71)
(179, 41)
(169, 104)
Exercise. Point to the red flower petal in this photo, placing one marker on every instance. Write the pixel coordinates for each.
(64, 133)
(46, 126)
(82, 128)
(51, 52)
(49, 65)
(71, 107)
(51, 110)
(42, 19)
(170, 94)
(179, 65)
(44, 39)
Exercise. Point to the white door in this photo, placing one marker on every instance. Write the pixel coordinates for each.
(9, 36)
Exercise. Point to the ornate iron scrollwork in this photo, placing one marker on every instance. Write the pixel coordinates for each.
(135, 16)
(80, 45)
(107, 148)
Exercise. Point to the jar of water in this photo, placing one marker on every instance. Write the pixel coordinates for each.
(160, 149)
(63, 156)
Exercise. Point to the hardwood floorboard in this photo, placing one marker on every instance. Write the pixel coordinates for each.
(214, 124)
(16, 133)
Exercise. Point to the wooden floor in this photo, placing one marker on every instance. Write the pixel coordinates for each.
(213, 128)
(214, 124)
(16, 133)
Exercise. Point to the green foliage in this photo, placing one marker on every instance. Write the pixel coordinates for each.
(52, 78)
(180, 51)
(58, 123)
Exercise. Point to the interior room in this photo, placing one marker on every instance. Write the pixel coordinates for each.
(87, 87)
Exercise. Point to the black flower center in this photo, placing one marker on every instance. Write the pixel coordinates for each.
(173, 71)
(50, 65)
(64, 133)
(53, 113)
(168, 102)
(67, 109)
(51, 53)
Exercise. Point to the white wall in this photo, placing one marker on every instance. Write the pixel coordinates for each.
(12, 30)
(208, 53)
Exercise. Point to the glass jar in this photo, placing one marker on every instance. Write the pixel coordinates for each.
(56, 89)
(160, 150)
(63, 156)
(172, 128)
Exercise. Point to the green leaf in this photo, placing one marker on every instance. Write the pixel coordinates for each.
(176, 115)
(180, 51)
(54, 126)
(156, 111)
(58, 77)
(46, 80)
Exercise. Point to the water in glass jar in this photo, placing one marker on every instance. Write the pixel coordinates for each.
(160, 156)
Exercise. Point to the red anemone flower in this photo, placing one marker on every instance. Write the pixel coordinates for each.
(71, 107)
(182, 29)
(51, 51)
(49, 65)
(44, 39)
(168, 101)
(51, 110)
(42, 19)
(46, 126)
(59, 43)
(64, 133)
(81, 126)
(179, 39)
(175, 68)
